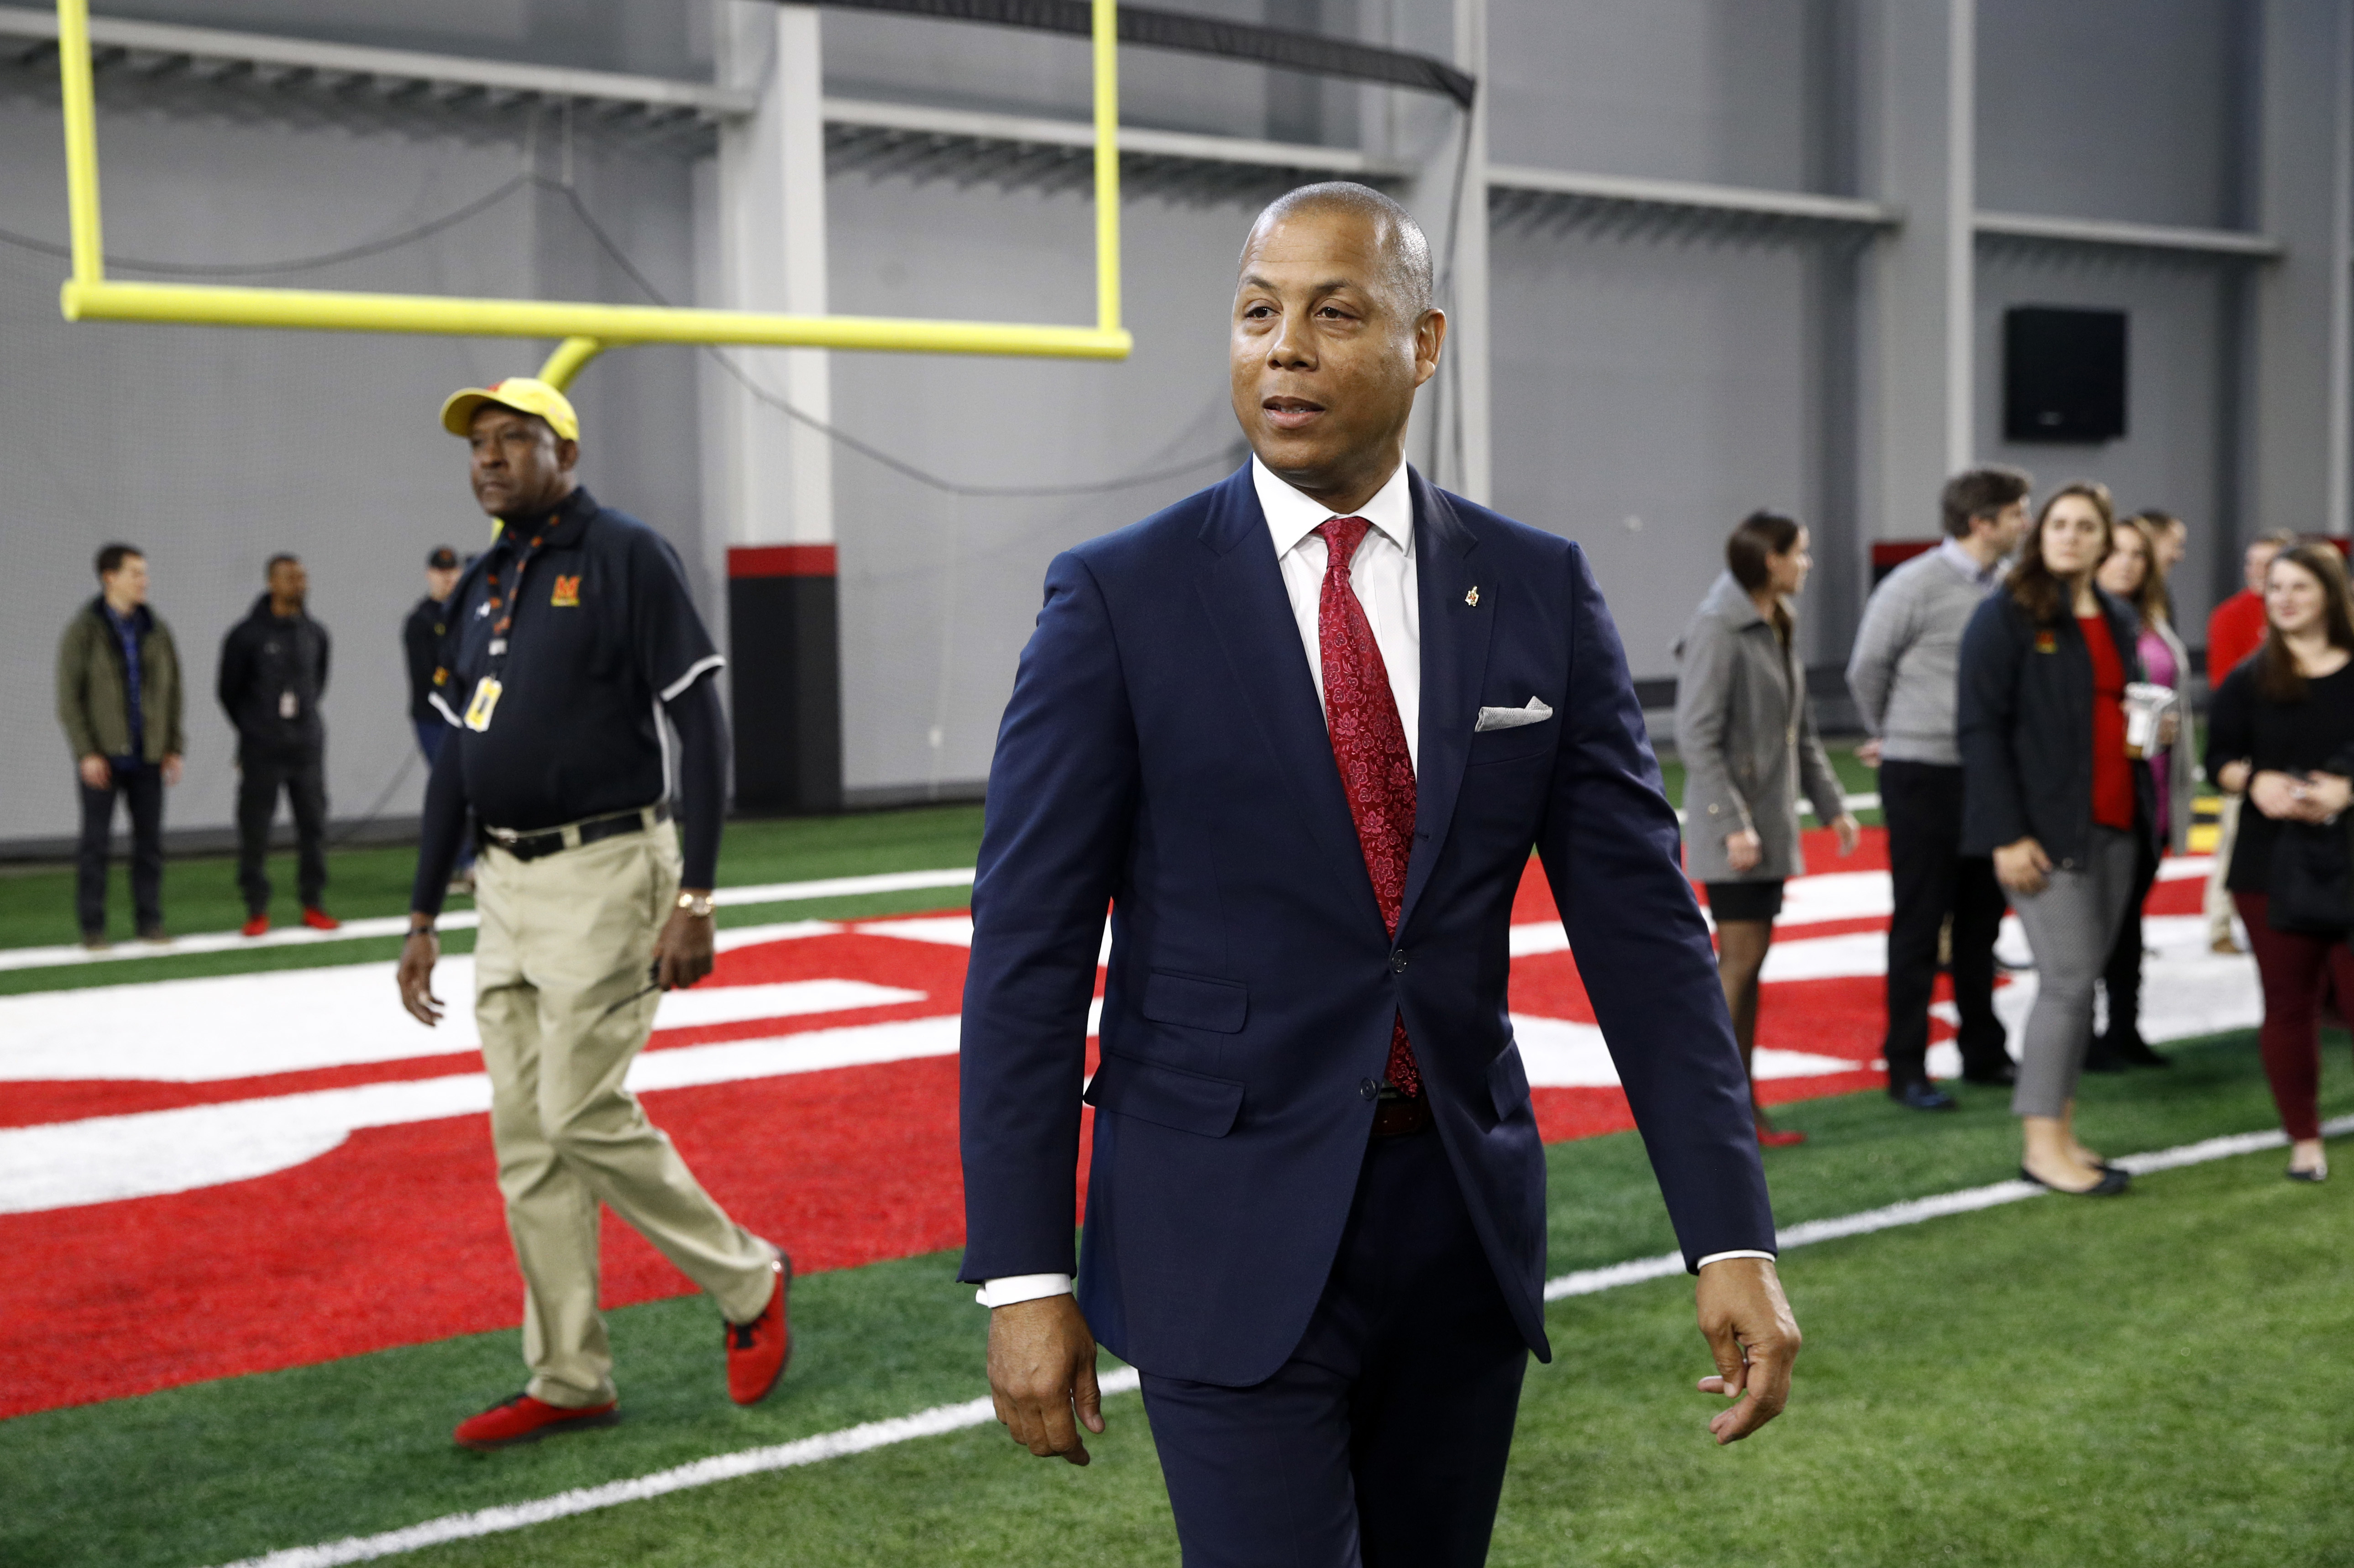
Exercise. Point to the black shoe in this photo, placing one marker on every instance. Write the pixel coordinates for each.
(1922, 1096)
(2112, 1182)
(2002, 1077)
(2135, 1052)
(2101, 1057)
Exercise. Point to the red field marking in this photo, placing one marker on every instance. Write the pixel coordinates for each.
(397, 1237)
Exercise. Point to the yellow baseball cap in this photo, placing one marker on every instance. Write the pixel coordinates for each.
(524, 394)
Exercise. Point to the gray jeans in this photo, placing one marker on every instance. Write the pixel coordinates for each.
(2071, 927)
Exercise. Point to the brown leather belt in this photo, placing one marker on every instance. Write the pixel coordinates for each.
(1400, 1117)
(548, 841)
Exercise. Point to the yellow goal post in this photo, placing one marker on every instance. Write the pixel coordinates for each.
(585, 329)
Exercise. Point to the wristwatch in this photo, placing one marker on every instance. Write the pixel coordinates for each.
(695, 904)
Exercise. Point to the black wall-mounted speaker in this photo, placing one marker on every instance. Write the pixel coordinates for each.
(2064, 375)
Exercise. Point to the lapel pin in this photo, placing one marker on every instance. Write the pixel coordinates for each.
(1472, 598)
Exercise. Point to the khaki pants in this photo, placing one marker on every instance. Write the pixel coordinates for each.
(2219, 897)
(565, 1002)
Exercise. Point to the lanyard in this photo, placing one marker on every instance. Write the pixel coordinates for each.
(504, 597)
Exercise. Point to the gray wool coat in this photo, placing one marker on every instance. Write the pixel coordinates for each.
(1746, 734)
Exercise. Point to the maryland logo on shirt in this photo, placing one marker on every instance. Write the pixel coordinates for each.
(2045, 642)
(567, 592)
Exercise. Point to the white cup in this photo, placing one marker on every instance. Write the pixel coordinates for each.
(2146, 705)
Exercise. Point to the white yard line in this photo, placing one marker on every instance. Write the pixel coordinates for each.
(945, 1418)
(464, 920)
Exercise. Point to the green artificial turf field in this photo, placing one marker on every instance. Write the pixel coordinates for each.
(2134, 1382)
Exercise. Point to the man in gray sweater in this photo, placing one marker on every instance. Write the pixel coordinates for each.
(1905, 675)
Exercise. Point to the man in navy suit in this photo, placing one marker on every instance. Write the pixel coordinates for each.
(1300, 732)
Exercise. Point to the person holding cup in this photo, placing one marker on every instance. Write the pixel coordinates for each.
(2282, 729)
(2053, 794)
(2135, 572)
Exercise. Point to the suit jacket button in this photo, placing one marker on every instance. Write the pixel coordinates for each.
(1369, 1088)
(1398, 962)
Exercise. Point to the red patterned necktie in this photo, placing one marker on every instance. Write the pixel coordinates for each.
(1369, 743)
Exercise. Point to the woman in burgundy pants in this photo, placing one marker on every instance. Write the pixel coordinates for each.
(2282, 728)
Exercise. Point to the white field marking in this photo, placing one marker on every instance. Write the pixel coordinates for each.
(942, 1419)
(465, 920)
(936, 1422)
(62, 1165)
(244, 1027)
(1590, 1281)
(1562, 1055)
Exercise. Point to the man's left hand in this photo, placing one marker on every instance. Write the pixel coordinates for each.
(1851, 833)
(683, 951)
(1747, 1320)
(172, 769)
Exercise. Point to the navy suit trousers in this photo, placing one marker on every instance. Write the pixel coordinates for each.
(1381, 1441)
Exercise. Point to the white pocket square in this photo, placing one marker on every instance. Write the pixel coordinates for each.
(1513, 718)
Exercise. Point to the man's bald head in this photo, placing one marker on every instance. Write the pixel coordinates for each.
(1397, 236)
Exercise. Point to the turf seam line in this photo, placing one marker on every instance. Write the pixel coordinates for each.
(942, 1419)
(1590, 1281)
(464, 920)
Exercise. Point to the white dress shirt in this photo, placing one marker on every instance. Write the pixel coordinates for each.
(1382, 574)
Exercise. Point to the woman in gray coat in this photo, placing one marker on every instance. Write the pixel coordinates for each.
(1749, 747)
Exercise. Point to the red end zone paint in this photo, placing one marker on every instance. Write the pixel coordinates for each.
(397, 1236)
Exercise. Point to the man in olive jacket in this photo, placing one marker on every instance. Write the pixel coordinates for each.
(118, 701)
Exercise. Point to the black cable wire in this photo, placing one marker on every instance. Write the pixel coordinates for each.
(305, 264)
(353, 830)
(744, 378)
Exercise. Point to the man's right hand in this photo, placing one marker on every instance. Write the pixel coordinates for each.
(1868, 753)
(416, 976)
(1042, 1373)
(95, 772)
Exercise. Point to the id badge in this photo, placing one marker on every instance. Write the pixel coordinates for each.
(485, 699)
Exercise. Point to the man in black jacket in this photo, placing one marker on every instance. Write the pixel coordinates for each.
(420, 644)
(273, 670)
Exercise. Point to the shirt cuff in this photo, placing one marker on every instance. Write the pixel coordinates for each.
(1015, 1287)
(1721, 1256)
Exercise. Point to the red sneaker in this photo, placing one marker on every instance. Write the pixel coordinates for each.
(319, 919)
(1771, 1137)
(758, 1351)
(257, 927)
(524, 1419)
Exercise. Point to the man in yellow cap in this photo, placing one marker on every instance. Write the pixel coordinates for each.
(567, 643)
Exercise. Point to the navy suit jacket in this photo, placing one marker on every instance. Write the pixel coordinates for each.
(1164, 752)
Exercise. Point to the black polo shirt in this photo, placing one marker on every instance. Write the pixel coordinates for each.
(602, 634)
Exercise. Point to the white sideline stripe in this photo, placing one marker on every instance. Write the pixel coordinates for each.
(464, 920)
(1589, 1281)
(946, 1418)
(933, 1423)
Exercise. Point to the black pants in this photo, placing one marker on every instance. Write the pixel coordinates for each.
(302, 776)
(1381, 1441)
(1922, 803)
(142, 789)
(2121, 977)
